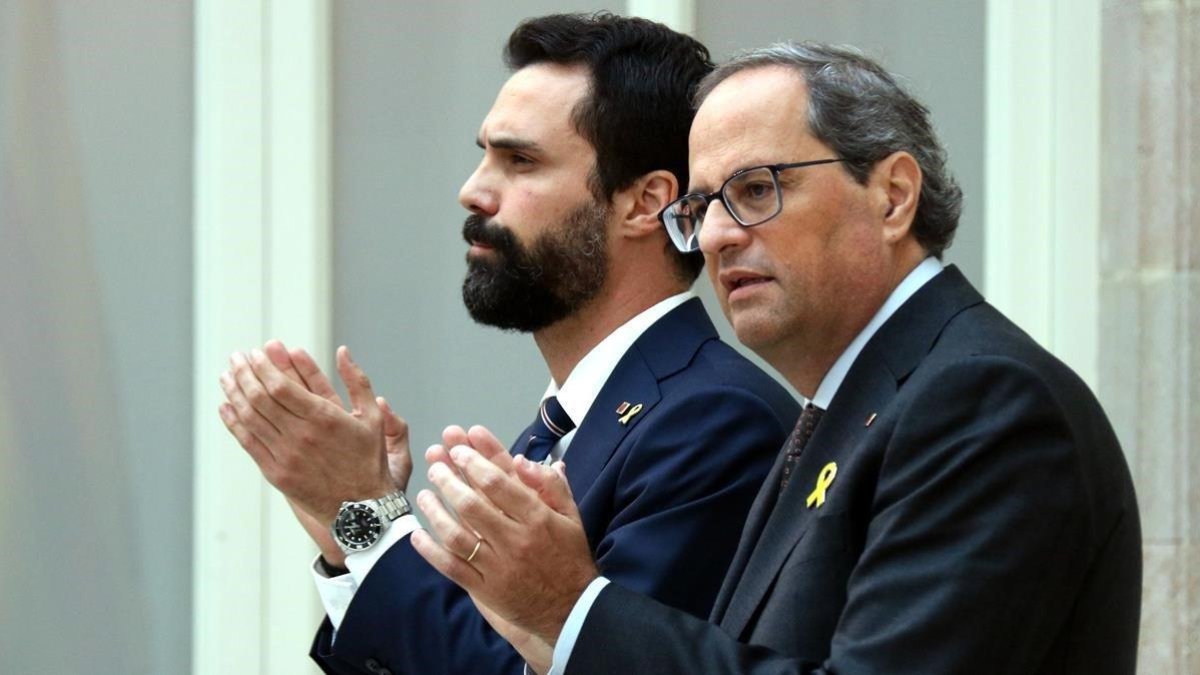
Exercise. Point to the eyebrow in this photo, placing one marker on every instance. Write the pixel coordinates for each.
(508, 143)
(741, 167)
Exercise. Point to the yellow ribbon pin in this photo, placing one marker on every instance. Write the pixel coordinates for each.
(824, 480)
(629, 415)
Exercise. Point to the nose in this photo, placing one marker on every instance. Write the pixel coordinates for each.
(720, 231)
(477, 195)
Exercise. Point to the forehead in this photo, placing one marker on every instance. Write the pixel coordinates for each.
(536, 104)
(754, 117)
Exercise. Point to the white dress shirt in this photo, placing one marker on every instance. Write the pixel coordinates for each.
(576, 396)
(921, 274)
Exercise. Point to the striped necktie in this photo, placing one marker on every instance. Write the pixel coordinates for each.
(552, 423)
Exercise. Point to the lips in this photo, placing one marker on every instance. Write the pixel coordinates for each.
(734, 281)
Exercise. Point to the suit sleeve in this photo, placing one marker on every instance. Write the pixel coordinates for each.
(979, 509)
(684, 494)
(689, 475)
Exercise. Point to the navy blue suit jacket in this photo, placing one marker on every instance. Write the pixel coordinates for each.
(663, 499)
(981, 520)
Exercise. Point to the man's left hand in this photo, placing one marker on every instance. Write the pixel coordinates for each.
(532, 562)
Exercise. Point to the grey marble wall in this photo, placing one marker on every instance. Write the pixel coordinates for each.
(1150, 283)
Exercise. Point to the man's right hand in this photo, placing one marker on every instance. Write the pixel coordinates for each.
(300, 367)
(297, 366)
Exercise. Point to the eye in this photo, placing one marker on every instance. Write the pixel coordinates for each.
(519, 160)
(758, 190)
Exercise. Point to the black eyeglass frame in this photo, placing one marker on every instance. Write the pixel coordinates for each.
(719, 195)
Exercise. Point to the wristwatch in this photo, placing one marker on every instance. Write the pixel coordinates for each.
(360, 524)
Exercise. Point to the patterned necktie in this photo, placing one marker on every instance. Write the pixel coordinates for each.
(800, 435)
(552, 423)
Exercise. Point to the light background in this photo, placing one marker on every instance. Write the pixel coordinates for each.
(97, 259)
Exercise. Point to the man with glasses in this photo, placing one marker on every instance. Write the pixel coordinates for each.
(952, 500)
(668, 431)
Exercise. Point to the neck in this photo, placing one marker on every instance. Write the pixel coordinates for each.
(566, 342)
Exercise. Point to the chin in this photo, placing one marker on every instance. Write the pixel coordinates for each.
(754, 329)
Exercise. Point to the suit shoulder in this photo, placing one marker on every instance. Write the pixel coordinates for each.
(717, 365)
(984, 340)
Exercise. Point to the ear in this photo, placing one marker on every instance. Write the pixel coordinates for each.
(637, 206)
(898, 181)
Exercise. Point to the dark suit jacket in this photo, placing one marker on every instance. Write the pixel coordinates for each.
(982, 522)
(663, 499)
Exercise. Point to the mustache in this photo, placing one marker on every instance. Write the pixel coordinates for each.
(477, 229)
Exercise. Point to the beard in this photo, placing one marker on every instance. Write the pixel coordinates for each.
(527, 288)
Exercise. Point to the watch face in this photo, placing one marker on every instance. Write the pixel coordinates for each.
(357, 527)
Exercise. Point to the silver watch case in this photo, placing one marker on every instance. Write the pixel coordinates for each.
(360, 525)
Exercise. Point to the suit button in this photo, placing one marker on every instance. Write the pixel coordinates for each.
(375, 667)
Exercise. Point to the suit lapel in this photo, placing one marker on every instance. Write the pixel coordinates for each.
(662, 350)
(839, 432)
(777, 525)
(760, 511)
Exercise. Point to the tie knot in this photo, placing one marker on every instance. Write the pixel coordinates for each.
(556, 420)
(551, 424)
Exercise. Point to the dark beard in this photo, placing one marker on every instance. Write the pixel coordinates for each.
(527, 289)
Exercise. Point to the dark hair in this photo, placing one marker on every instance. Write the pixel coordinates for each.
(638, 112)
(857, 108)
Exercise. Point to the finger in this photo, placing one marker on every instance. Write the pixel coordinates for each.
(257, 450)
(256, 392)
(451, 436)
(358, 385)
(258, 425)
(508, 494)
(490, 447)
(292, 396)
(279, 356)
(314, 379)
(451, 566)
(473, 509)
(454, 435)
(550, 483)
(455, 537)
(437, 453)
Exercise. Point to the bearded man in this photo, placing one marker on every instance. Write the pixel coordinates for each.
(666, 431)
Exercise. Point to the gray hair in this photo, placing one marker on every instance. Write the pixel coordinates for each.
(857, 109)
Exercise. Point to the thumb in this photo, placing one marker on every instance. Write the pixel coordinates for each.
(394, 426)
(550, 483)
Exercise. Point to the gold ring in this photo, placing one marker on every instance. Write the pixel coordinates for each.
(475, 550)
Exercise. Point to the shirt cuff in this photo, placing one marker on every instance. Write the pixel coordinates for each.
(338, 592)
(360, 562)
(570, 632)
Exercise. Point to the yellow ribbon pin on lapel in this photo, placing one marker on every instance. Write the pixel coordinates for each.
(824, 480)
(629, 415)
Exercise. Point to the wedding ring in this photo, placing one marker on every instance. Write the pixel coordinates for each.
(475, 550)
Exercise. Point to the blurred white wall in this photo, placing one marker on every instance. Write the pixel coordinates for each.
(95, 336)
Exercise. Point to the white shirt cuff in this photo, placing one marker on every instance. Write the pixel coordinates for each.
(570, 632)
(338, 592)
(360, 562)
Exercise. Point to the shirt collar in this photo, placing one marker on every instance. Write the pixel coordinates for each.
(583, 385)
(921, 274)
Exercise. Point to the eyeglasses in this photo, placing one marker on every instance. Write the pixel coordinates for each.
(752, 196)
